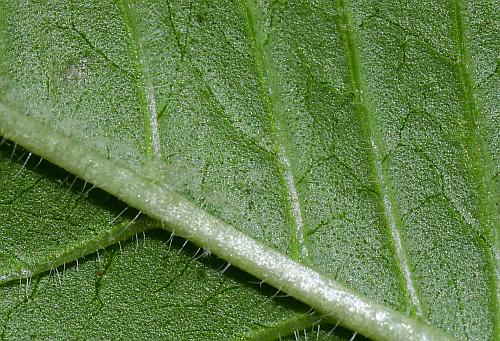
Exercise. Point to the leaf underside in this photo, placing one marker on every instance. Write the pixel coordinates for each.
(359, 140)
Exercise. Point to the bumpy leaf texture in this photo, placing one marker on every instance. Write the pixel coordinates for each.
(360, 139)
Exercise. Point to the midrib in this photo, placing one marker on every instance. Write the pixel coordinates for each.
(474, 117)
(362, 106)
(275, 113)
(144, 87)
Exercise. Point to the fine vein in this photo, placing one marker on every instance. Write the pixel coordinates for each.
(363, 108)
(474, 116)
(146, 91)
(271, 103)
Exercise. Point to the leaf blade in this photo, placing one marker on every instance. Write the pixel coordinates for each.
(188, 221)
(411, 147)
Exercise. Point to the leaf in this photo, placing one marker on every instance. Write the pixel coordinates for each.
(137, 288)
(41, 197)
(346, 153)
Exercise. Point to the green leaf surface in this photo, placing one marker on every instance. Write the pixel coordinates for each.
(152, 286)
(348, 153)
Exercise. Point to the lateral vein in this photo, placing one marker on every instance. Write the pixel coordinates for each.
(363, 108)
(474, 117)
(146, 91)
(275, 113)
